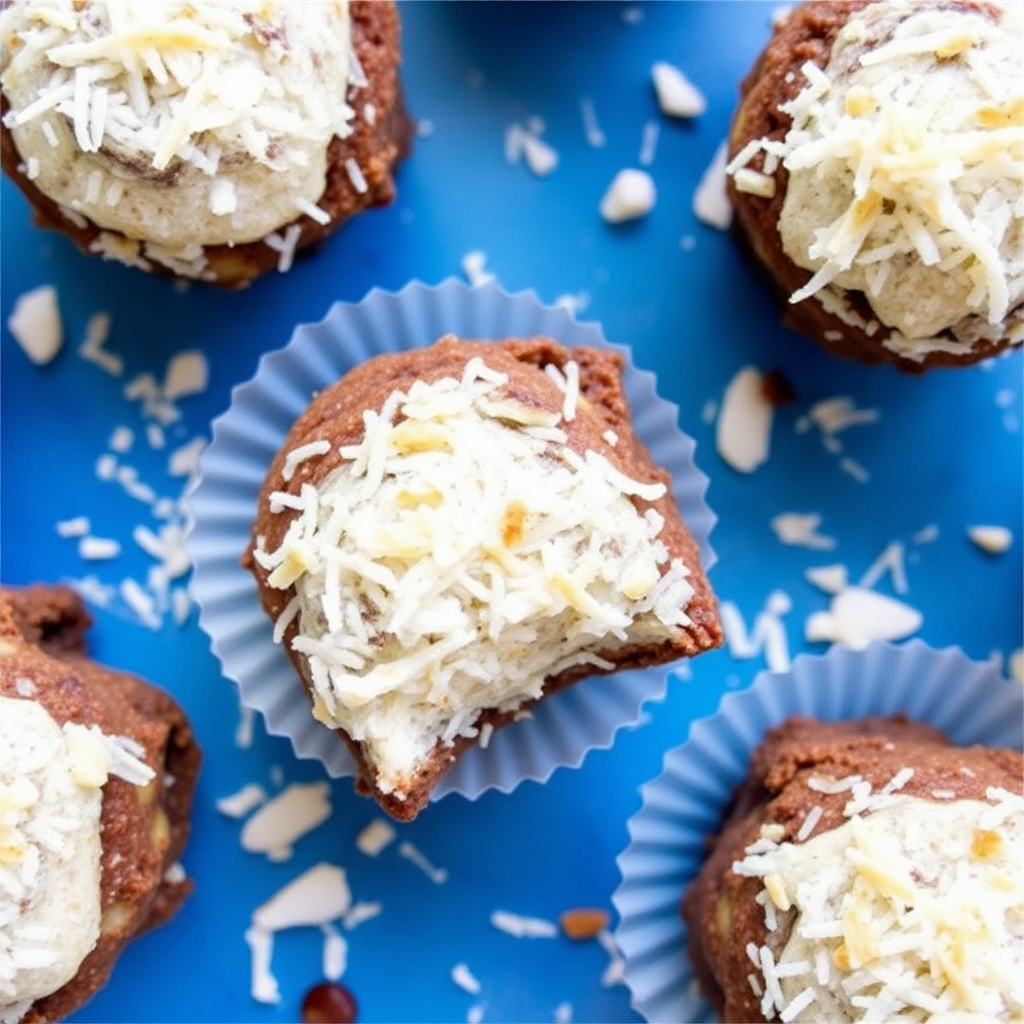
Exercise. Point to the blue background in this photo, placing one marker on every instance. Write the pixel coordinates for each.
(945, 451)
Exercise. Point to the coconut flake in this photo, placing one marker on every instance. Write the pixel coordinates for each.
(743, 431)
(540, 157)
(521, 927)
(801, 530)
(413, 854)
(630, 195)
(993, 539)
(244, 728)
(316, 897)
(677, 95)
(829, 578)
(297, 456)
(591, 129)
(263, 984)
(121, 440)
(711, 203)
(93, 349)
(77, 527)
(648, 143)
(98, 548)
(141, 602)
(187, 374)
(857, 616)
(615, 971)
(768, 633)
(464, 978)
(833, 415)
(240, 803)
(355, 175)
(526, 144)
(335, 953)
(377, 835)
(36, 324)
(474, 265)
(280, 822)
(891, 560)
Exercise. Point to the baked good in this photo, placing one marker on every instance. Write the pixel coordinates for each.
(865, 870)
(875, 172)
(201, 139)
(97, 773)
(451, 533)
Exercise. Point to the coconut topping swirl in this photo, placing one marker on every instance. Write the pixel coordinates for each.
(905, 158)
(51, 780)
(460, 555)
(183, 123)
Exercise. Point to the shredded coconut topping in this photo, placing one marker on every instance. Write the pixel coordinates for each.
(231, 105)
(459, 556)
(912, 910)
(906, 173)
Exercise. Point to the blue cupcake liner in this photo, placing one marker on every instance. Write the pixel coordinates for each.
(222, 502)
(968, 700)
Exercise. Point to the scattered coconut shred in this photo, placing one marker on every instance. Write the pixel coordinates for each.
(162, 595)
(320, 896)
(768, 635)
(526, 144)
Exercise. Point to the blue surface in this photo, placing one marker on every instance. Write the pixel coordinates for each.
(945, 451)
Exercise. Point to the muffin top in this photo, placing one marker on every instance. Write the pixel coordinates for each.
(904, 158)
(184, 124)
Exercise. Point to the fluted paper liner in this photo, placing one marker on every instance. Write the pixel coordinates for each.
(682, 807)
(222, 503)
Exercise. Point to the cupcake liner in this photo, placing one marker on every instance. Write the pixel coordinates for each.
(222, 503)
(967, 700)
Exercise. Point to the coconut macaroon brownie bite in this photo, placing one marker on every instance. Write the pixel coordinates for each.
(877, 176)
(866, 870)
(206, 139)
(452, 533)
(97, 774)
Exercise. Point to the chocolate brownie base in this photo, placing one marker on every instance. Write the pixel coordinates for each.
(337, 415)
(43, 656)
(807, 33)
(377, 148)
(719, 908)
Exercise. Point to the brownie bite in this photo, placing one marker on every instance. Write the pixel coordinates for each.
(865, 870)
(875, 171)
(452, 533)
(97, 774)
